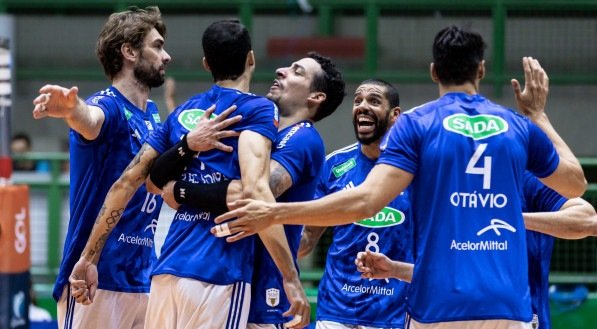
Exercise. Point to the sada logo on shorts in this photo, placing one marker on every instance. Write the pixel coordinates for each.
(189, 118)
(476, 126)
(388, 216)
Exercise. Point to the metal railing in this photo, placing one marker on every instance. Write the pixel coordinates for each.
(55, 184)
(326, 11)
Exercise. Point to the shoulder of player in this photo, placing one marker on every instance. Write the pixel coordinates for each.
(301, 134)
(342, 154)
(250, 101)
(105, 97)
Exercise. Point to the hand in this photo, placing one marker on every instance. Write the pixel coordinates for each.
(373, 265)
(252, 216)
(83, 281)
(300, 308)
(168, 195)
(55, 101)
(531, 101)
(207, 134)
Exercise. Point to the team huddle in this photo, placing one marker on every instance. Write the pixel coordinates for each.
(429, 208)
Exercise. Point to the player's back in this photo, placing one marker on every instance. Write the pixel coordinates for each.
(190, 250)
(467, 155)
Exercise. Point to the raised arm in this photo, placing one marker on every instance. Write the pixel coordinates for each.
(576, 219)
(568, 179)
(59, 102)
(170, 94)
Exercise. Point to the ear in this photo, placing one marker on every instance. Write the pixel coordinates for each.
(316, 98)
(481, 70)
(128, 52)
(433, 73)
(205, 65)
(394, 114)
(250, 59)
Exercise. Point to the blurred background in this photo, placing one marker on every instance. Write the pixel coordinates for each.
(54, 41)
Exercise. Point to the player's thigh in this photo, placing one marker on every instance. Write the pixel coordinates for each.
(264, 326)
(333, 325)
(205, 305)
(109, 309)
(337, 325)
(477, 324)
(181, 303)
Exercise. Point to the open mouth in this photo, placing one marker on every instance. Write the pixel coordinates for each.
(276, 84)
(365, 124)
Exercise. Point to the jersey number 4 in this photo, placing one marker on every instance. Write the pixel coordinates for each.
(484, 169)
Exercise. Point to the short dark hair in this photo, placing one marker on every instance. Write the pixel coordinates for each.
(456, 55)
(226, 44)
(331, 83)
(22, 136)
(129, 26)
(391, 93)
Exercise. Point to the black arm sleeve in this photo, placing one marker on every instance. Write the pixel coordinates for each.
(210, 197)
(170, 165)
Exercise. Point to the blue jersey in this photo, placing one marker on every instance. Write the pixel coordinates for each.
(540, 198)
(344, 296)
(190, 250)
(126, 259)
(300, 150)
(468, 156)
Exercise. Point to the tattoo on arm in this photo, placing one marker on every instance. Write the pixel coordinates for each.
(139, 169)
(112, 220)
(279, 180)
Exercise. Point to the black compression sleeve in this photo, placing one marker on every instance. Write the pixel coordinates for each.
(210, 197)
(170, 165)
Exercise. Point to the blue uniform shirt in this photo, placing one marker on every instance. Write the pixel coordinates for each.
(468, 156)
(540, 198)
(344, 296)
(126, 259)
(190, 250)
(300, 150)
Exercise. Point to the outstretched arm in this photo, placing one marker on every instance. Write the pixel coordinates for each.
(576, 219)
(58, 102)
(568, 179)
(382, 184)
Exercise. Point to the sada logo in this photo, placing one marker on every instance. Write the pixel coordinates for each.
(477, 126)
(189, 118)
(388, 216)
